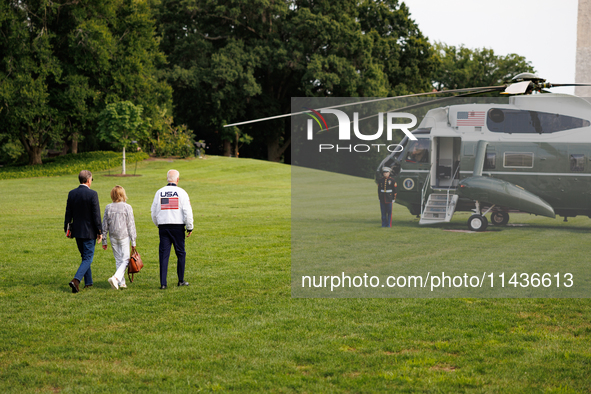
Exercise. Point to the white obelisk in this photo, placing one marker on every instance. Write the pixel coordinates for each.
(583, 68)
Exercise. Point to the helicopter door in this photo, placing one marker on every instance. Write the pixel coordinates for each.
(447, 162)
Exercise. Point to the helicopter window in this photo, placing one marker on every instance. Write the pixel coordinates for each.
(418, 151)
(396, 154)
(577, 163)
(491, 161)
(503, 120)
(519, 160)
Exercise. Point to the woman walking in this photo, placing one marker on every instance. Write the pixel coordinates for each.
(120, 225)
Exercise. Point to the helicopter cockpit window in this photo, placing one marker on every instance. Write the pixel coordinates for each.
(518, 160)
(504, 120)
(400, 149)
(418, 151)
(577, 163)
(491, 161)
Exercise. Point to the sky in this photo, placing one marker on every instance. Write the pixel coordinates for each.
(543, 31)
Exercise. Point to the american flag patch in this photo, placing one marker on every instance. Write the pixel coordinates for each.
(471, 118)
(169, 203)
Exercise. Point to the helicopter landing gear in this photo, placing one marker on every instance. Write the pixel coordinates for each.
(499, 218)
(477, 222)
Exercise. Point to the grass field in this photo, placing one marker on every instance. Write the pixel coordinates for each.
(236, 327)
(335, 231)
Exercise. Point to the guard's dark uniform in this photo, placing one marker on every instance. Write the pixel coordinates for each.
(386, 192)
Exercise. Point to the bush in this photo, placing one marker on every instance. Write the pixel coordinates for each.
(11, 150)
(72, 164)
(174, 141)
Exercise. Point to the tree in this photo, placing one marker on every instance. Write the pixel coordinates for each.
(121, 124)
(62, 63)
(26, 65)
(244, 60)
(461, 67)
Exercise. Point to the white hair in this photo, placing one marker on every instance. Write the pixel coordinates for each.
(172, 176)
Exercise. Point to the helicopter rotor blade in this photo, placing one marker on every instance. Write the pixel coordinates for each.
(418, 105)
(475, 90)
(556, 85)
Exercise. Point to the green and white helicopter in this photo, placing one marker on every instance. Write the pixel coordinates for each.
(531, 154)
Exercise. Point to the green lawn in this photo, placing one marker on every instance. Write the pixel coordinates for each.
(236, 327)
(336, 231)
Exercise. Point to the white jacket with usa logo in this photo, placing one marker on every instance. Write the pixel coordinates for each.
(172, 206)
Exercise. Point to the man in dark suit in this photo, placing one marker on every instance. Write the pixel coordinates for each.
(83, 215)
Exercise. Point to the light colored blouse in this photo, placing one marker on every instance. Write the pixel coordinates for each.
(118, 222)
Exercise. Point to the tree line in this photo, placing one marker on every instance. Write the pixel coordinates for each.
(163, 74)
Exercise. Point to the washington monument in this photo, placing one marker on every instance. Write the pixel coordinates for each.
(583, 67)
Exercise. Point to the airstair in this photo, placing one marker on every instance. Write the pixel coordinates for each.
(440, 208)
(440, 205)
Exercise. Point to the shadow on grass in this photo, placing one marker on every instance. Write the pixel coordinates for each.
(414, 224)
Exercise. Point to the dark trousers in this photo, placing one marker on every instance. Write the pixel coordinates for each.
(386, 208)
(86, 248)
(171, 236)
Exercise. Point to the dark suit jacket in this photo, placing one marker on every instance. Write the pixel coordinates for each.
(84, 212)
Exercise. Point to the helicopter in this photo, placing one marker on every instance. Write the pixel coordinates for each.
(531, 154)
(528, 156)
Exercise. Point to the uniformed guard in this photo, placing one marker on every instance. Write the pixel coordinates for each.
(386, 195)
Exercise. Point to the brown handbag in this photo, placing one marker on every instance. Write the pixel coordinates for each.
(135, 265)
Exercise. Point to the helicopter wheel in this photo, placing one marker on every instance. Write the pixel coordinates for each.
(499, 218)
(477, 223)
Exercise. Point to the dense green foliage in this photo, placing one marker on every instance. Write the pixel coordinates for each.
(121, 123)
(197, 65)
(236, 327)
(465, 68)
(174, 141)
(234, 60)
(62, 63)
(71, 164)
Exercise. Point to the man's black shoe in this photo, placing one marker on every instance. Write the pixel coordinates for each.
(163, 287)
(74, 285)
(183, 283)
(87, 286)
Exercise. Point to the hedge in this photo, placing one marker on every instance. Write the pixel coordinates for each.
(72, 164)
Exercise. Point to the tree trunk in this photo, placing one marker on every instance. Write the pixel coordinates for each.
(65, 147)
(33, 151)
(35, 155)
(274, 151)
(227, 148)
(123, 165)
(75, 143)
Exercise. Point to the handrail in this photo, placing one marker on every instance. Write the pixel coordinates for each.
(453, 178)
(425, 186)
(449, 189)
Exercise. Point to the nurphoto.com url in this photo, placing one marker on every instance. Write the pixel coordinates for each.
(442, 281)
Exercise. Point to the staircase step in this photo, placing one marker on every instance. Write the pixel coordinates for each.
(439, 208)
(440, 216)
(435, 210)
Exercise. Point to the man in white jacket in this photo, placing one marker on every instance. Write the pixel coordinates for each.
(172, 213)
